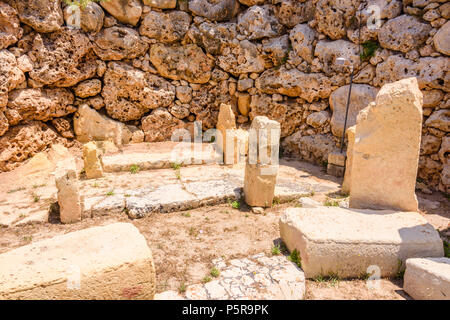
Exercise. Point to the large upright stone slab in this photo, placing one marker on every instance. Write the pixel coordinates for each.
(427, 279)
(345, 242)
(69, 200)
(386, 149)
(109, 262)
(261, 168)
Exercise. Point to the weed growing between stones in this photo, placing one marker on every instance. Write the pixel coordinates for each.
(276, 250)
(16, 190)
(214, 272)
(332, 279)
(400, 269)
(331, 203)
(182, 288)
(295, 258)
(369, 49)
(134, 169)
(235, 204)
(110, 193)
(446, 249)
(206, 279)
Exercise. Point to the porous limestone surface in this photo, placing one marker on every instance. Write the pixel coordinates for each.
(427, 278)
(345, 242)
(108, 262)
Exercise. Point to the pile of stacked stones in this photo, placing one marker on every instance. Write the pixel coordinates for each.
(153, 66)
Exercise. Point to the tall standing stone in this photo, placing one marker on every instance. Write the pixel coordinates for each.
(261, 168)
(225, 124)
(69, 200)
(386, 149)
(348, 162)
(92, 161)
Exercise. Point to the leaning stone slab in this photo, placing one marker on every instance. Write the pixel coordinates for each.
(386, 149)
(109, 262)
(345, 242)
(104, 205)
(427, 279)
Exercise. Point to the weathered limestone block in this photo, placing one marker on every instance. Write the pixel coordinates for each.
(288, 113)
(39, 104)
(62, 58)
(441, 37)
(431, 73)
(361, 96)
(430, 144)
(403, 33)
(89, 125)
(10, 30)
(161, 4)
(302, 37)
(386, 149)
(117, 43)
(259, 22)
(88, 88)
(277, 49)
(129, 93)
(427, 278)
(215, 10)
(241, 57)
(126, 11)
(165, 27)
(329, 51)
(345, 242)
(69, 200)
(92, 161)
(63, 127)
(10, 75)
(318, 119)
(212, 36)
(431, 98)
(115, 263)
(335, 17)
(350, 132)
(24, 141)
(91, 17)
(292, 12)
(439, 119)
(250, 3)
(261, 168)
(313, 148)
(42, 15)
(294, 83)
(4, 125)
(181, 62)
(159, 125)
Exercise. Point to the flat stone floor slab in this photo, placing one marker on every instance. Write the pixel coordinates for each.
(346, 242)
(427, 278)
(257, 277)
(157, 156)
(109, 262)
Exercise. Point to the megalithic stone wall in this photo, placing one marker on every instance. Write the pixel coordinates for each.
(160, 65)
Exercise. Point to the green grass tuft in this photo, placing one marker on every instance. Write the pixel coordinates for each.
(368, 50)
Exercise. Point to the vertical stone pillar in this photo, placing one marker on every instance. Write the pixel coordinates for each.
(386, 149)
(348, 163)
(70, 205)
(226, 140)
(261, 168)
(92, 162)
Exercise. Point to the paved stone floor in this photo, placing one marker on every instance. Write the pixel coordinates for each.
(257, 277)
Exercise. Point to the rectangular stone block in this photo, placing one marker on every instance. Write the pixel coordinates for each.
(109, 262)
(345, 242)
(427, 279)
